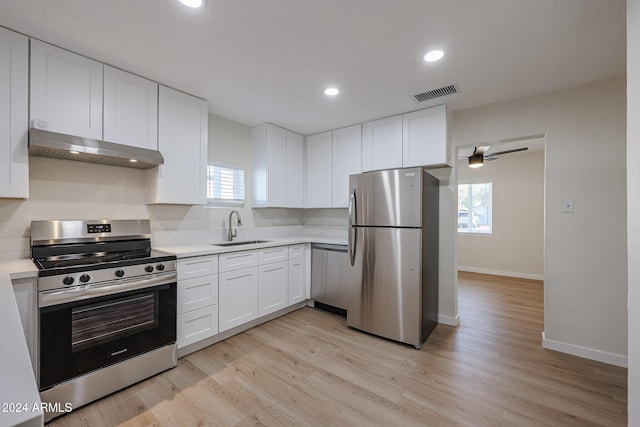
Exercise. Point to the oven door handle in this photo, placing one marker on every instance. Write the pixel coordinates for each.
(49, 298)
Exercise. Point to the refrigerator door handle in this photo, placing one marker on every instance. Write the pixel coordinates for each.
(353, 236)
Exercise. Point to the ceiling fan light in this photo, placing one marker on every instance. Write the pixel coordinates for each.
(476, 160)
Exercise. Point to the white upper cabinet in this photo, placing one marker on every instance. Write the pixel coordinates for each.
(130, 109)
(382, 144)
(269, 166)
(14, 119)
(182, 140)
(413, 139)
(66, 92)
(424, 141)
(347, 155)
(277, 167)
(319, 171)
(295, 174)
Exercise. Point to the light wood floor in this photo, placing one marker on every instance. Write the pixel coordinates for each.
(308, 368)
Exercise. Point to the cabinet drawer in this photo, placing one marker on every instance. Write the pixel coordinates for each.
(197, 266)
(278, 254)
(296, 251)
(197, 325)
(197, 293)
(238, 260)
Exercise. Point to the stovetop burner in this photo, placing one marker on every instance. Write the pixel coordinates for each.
(104, 247)
(71, 260)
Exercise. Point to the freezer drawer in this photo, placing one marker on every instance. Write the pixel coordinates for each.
(329, 274)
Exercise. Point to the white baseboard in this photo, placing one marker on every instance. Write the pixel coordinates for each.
(587, 353)
(448, 320)
(502, 273)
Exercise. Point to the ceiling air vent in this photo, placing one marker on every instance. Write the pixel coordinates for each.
(436, 93)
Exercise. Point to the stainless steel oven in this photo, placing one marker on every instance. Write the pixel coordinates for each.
(107, 309)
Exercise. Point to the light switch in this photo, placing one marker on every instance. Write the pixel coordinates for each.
(567, 206)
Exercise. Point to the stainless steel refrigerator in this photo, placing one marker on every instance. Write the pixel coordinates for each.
(393, 252)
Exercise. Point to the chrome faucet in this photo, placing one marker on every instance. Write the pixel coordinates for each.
(232, 233)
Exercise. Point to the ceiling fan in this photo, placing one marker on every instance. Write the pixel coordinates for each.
(478, 157)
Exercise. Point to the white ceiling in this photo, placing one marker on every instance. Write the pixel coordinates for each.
(258, 60)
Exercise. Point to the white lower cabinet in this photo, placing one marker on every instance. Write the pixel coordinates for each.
(273, 287)
(297, 274)
(197, 293)
(197, 299)
(197, 325)
(297, 280)
(238, 296)
(219, 292)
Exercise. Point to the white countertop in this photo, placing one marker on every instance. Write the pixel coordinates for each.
(17, 382)
(184, 251)
(18, 386)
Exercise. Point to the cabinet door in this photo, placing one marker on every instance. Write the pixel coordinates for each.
(130, 109)
(295, 177)
(182, 140)
(273, 287)
(66, 92)
(382, 144)
(425, 137)
(269, 147)
(238, 297)
(197, 325)
(297, 280)
(319, 171)
(347, 160)
(276, 166)
(14, 114)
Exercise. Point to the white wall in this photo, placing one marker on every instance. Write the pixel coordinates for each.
(585, 291)
(515, 246)
(64, 189)
(633, 200)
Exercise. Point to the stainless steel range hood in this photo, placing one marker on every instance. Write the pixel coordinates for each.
(43, 143)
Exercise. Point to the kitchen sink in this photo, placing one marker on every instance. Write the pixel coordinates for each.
(245, 242)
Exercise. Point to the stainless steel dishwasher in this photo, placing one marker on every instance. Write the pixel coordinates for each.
(329, 275)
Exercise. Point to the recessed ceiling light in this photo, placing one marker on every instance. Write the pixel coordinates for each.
(192, 3)
(434, 55)
(133, 161)
(331, 91)
(73, 152)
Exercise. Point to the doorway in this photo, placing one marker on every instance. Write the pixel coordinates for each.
(500, 208)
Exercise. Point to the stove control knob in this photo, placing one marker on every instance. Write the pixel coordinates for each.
(148, 268)
(68, 280)
(119, 273)
(160, 267)
(85, 278)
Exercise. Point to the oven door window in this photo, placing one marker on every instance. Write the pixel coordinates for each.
(80, 337)
(99, 323)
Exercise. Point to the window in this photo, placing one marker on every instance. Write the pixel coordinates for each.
(225, 185)
(475, 208)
